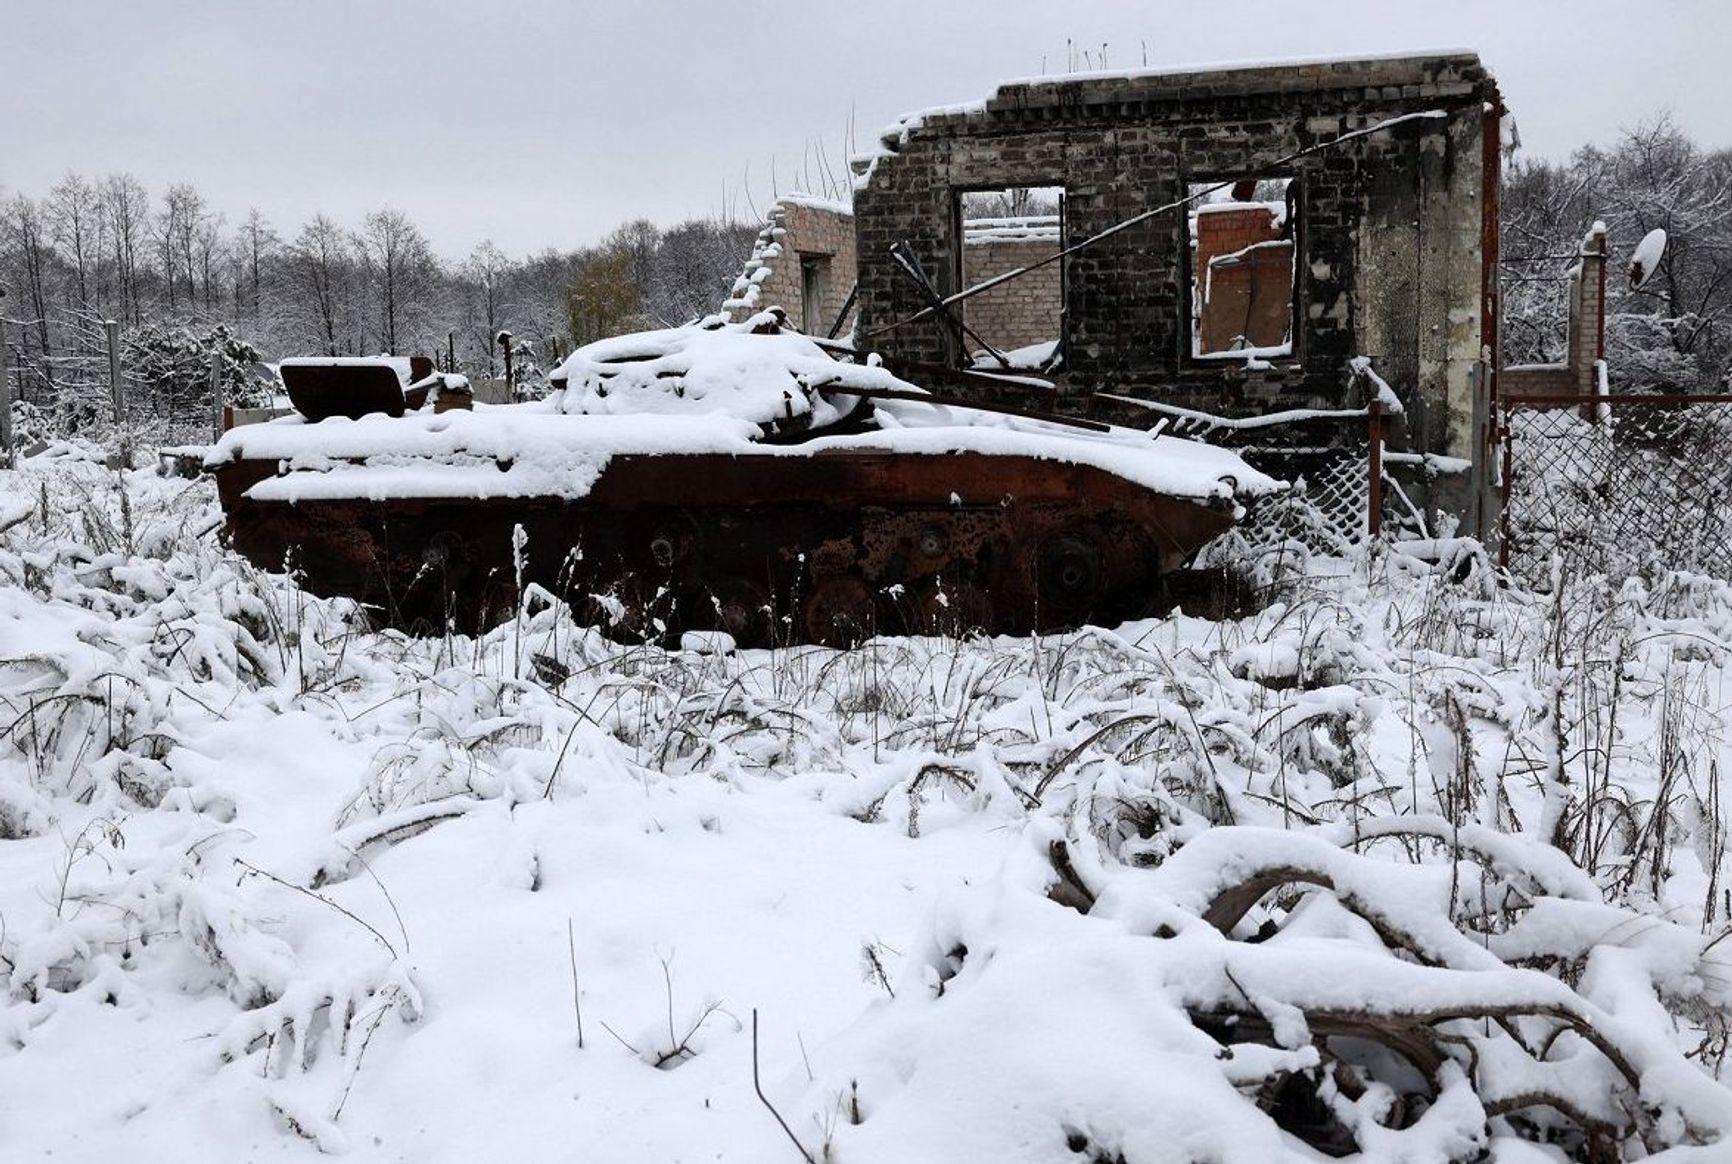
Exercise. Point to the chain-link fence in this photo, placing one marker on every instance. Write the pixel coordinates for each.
(142, 385)
(1617, 485)
(1327, 508)
(1327, 462)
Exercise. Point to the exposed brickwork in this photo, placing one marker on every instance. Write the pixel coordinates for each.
(1243, 279)
(1023, 311)
(1578, 374)
(1389, 230)
(801, 235)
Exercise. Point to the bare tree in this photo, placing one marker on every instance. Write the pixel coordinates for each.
(257, 244)
(483, 278)
(27, 237)
(694, 264)
(71, 211)
(125, 210)
(208, 246)
(1658, 177)
(398, 267)
(165, 230)
(637, 241)
(539, 288)
(320, 272)
(1674, 334)
(186, 213)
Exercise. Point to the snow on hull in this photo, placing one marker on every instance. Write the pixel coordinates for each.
(534, 451)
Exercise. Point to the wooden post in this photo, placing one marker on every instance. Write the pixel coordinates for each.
(510, 385)
(451, 351)
(5, 392)
(216, 393)
(115, 391)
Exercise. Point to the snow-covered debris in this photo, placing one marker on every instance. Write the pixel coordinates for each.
(753, 370)
(704, 389)
(1377, 388)
(1181, 1020)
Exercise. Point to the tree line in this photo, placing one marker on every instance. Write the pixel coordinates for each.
(181, 278)
(183, 281)
(1673, 335)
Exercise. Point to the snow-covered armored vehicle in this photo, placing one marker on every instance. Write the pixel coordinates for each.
(735, 477)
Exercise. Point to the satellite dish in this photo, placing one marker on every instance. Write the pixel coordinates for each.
(1647, 258)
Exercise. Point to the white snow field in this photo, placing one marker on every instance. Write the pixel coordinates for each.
(274, 885)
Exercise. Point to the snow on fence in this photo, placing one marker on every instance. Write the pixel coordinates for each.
(1343, 493)
(1621, 486)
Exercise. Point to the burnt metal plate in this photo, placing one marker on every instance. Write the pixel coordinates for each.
(353, 390)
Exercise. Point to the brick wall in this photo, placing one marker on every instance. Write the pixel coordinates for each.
(799, 230)
(1023, 311)
(1242, 284)
(1389, 236)
(1578, 374)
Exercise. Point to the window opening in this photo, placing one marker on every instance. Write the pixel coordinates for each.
(1243, 268)
(1022, 319)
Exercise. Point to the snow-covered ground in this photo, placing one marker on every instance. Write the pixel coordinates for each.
(273, 884)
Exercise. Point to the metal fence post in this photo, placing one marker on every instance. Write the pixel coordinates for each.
(216, 393)
(1506, 434)
(116, 392)
(1374, 449)
(5, 392)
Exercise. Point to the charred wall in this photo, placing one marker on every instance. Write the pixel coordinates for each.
(1388, 236)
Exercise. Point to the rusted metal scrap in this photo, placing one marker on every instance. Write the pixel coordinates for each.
(828, 548)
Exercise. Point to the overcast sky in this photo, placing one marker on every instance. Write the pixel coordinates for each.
(547, 122)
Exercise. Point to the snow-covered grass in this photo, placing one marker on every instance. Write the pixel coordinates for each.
(273, 883)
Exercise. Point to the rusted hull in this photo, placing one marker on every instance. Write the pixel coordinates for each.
(824, 548)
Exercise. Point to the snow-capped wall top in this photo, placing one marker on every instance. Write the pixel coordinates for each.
(816, 202)
(1396, 70)
(1270, 65)
(1023, 228)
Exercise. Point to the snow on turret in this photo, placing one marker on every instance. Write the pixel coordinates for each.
(753, 371)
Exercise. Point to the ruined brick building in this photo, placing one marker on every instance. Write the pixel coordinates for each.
(803, 263)
(1314, 213)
